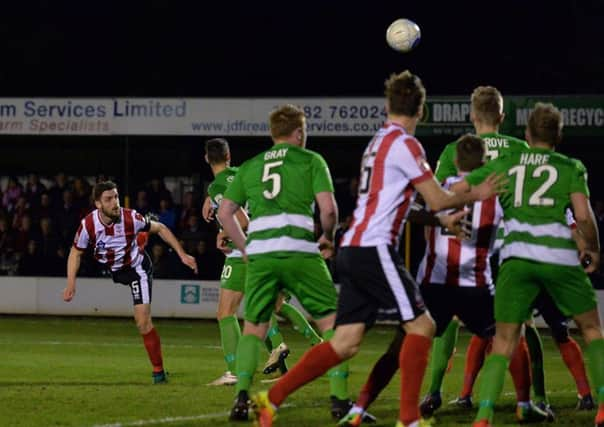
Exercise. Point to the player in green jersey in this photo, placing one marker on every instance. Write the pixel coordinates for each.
(539, 252)
(281, 186)
(232, 280)
(486, 114)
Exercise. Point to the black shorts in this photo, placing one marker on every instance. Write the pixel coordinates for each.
(373, 279)
(140, 280)
(553, 317)
(473, 305)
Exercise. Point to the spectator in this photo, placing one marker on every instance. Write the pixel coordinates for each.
(81, 195)
(192, 234)
(208, 260)
(141, 204)
(24, 234)
(157, 191)
(57, 190)
(161, 262)
(187, 209)
(68, 218)
(30, 261)
(45, 208)
(166, 214)
(21, 208)
(33, 190)
(7, 238)
(51, 250)
(13, 191)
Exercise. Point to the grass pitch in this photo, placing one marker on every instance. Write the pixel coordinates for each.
(94, 372)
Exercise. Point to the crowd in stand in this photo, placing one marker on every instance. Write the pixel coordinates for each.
(38, 223)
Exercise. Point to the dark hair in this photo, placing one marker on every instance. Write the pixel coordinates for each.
(100, 187)
(545, 124)
(217, 150)
(470, 152)
(405, 94)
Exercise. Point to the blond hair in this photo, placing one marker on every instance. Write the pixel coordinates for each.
(487, 105)
(545, 123)
(284, 120)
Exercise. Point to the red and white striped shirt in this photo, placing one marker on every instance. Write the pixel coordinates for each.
(392, 164)
(454, 262)
(115, 245)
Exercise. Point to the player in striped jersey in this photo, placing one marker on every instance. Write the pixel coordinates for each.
(372, 277)
(455, 278)
(111, 231)
(539, 252)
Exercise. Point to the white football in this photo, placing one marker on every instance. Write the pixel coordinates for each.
(403, 35)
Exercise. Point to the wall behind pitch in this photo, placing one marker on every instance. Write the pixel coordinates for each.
(102, 297)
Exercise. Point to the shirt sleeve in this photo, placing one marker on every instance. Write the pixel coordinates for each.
(578, 182)
(321, 178)
(445, 167)
(413, 161)
(81, 239)
(570, 219)
(236, 191)
(141, 223)
(478, 175)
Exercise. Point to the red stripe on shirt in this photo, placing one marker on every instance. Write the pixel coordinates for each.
(130, 236)
(431, 258)
(483, 238)
(401, 213)
(89, 224)
(110, 256)
(377, 183)
(453, 258)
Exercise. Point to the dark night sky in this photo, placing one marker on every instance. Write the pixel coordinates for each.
(170, 48)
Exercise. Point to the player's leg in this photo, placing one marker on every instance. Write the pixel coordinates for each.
(571, 290)
(355, 311)
(535, 346)
(440, 303)
(481, 323)
(517, 287)
(140, 281)
(261, 293)
(275, 344)
(569, 349)
(298, 321)
(232, 283)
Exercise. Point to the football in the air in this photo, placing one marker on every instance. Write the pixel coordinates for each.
(403, 35)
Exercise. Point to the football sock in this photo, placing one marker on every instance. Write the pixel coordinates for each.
(535, 346)
(442, 349)
(274, 334)
(520, 369)
(229, 337)
(413, 360)
(338, 375)
(474, 359)
(314, 363)
(491, 385)
(595, 353)
(299, 322)
(153, 346)
(247, 360)
(573, 358)
(382, 372)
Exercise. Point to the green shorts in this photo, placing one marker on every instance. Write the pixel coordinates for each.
(233, 274)
(305, 276)
(520, 281)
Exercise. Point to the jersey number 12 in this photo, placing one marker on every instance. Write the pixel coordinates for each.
(536, 199)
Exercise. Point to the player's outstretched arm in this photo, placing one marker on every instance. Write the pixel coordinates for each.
(226, 216)
(168, 237)
(73, 265)
(438, 198)
(587, 227)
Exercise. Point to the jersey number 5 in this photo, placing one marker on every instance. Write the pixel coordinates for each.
(274, 177)
(536, 199)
